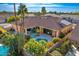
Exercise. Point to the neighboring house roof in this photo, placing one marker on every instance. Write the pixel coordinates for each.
(53, 15)
(75, 34)
(43, 21)
(2, 21)
(6, 25)
(4, 16)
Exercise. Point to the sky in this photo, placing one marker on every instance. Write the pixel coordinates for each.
(36, 7)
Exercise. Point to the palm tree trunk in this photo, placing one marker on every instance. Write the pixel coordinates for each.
(15, 17)
(22, 21)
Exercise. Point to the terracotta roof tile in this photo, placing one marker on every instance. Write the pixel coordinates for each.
(75, 34)
(44, 21)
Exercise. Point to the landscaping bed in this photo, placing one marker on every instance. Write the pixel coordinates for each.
(38, 48)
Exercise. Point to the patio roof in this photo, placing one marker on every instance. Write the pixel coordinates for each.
(43, 21)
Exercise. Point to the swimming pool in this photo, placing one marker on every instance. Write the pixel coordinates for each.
(4, 50)
(48, 38)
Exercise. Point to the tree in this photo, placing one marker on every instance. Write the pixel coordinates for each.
(4, 11)
(35, 48)
(55, 12)
(9, 40)
(43, 11)
(50, 12)
(12, 18)
(37, 13)
(22, 10)
(14, 41)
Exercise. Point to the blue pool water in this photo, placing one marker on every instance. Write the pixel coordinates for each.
(48, 38)
(4, 50)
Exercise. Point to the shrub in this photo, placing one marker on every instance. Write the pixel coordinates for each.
(14, 41)
(35, 48)
(42, 42)
(12, 18)
(61, 35)
(55, 53)
(64, 47)
(55, 40)
(2, 30)
(49, 44)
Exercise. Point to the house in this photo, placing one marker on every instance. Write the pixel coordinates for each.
(4, 16)
(6, 26)
(43, 24)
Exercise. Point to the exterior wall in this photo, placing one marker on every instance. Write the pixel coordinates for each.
(67, 29)
(55, 33)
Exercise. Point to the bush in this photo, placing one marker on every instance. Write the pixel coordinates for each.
(12, 18)
(55, 53)
(49, 44)
(42, 42)
(61, 35)
(55, 40)
(35, 48)
(64, 47)
(2, 30)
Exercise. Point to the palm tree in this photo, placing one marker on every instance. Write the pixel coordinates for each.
(22, 10)
(17, 49)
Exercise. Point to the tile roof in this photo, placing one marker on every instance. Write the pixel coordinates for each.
(75, 34)
(43, 21)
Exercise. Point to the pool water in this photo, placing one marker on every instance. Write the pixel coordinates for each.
(4, 50)
(48, 38)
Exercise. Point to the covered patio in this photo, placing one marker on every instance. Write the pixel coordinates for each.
(41, 30)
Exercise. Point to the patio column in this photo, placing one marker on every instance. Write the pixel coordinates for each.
(57, 33)
(26, 31)
(53, 33)
(41, 30)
